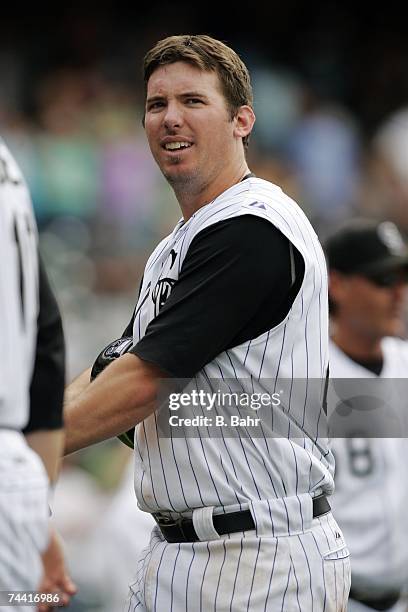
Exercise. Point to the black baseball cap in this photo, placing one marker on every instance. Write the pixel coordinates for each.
(371, 249)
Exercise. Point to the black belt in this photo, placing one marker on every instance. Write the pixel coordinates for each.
(387, 601)
(182, 529)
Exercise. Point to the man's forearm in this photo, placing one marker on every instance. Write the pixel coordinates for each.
(49, 444)
(77, 386)
(119, 398)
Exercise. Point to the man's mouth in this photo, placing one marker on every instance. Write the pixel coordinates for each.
(175, 146)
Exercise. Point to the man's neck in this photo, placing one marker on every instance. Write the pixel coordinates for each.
(192, 199)
(357, 346)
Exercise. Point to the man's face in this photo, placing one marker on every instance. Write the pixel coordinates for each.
(369, 309)
(188, 126)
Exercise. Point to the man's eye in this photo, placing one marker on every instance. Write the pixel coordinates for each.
(193, 101)
(155, 105)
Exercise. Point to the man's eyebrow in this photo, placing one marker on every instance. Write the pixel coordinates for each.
(193, 94)
(184, 94)
(154, 98)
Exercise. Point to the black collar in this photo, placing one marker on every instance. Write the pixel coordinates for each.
(247, 176)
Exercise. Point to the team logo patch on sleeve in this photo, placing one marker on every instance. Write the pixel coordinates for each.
(161, 292)
(118, 347)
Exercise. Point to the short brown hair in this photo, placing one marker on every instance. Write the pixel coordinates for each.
(205, 53)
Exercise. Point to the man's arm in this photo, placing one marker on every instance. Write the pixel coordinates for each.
(44, 431)
(235, 283)
(56, 578)
(120, 397)
(49, 445)
(219, 263)
(81, 382)
(77, 386)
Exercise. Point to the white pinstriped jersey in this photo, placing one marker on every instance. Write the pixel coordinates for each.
(179, 474)
(18, 293)
(23, 480)
(371, 495)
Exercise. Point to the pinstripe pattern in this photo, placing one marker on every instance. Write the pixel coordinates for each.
(278, 355)
(380, 552)
(255, 574)
(286, 589)
(18, 328)
(23, 512)
(272, 475)
(23, 481)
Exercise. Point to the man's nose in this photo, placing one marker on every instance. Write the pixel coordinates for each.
(173, 117)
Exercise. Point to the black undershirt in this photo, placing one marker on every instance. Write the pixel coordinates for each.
(48, 380)
(235, 284)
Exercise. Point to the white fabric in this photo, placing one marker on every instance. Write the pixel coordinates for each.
(179, 474)
(309, 571)
(274, 475)
(203, 524)
(18, 330)
(371, 497)
(23, 515)
(23, 481)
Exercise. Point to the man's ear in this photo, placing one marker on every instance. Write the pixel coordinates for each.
(338, 285)
(243, 121)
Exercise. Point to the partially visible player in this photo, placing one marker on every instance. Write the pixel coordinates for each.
(368, 265)
(237, 292)
(32, 371)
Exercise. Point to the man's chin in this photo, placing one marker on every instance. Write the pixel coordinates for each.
(178, 176)
(396, 328)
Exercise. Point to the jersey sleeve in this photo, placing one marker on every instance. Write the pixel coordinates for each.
(48, 379)
(128, 331)
(236, 282)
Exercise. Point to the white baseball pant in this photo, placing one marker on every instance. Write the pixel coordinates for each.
(304, 566)
(23, 515)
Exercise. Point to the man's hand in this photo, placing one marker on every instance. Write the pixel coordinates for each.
(55, 578)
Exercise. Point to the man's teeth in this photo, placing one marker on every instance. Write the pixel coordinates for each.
(170, 146)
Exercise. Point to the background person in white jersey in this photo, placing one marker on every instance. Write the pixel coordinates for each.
(368, 264)
(237, 292)
(32, 371)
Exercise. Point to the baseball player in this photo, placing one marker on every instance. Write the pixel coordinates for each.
(368, 264)
(236, 296)
(31, 390)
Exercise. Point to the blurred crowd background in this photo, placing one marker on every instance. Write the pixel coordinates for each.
(331, 100)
